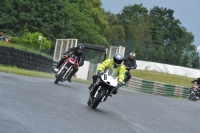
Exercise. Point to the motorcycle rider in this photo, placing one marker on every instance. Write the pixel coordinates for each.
(116, 65)
(130, 63)
(78, 51)
(198, 83)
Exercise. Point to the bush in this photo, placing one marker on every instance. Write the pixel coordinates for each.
(16, 40)
(31, 40)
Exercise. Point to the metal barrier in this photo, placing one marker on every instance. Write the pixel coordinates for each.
(157, 88)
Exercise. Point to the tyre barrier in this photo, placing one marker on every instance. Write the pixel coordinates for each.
(158, 88)
(24, 59)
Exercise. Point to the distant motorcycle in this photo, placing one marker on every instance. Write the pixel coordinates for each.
(107, 84)
(194, 93)
(65, 69)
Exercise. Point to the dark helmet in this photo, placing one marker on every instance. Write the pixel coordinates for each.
(118, 59)
(80, 48)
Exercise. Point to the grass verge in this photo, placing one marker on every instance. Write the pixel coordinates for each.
(162, 77)
(19, 71)
(21, 47)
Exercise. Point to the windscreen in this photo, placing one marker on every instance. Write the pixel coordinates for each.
(113, 72)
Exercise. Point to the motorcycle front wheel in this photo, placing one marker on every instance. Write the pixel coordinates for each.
(59, 77)
(192, 98)
(98, 99)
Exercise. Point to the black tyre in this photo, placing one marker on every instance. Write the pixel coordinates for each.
(192, 98)
(189, 98)
(59, 77)
(97, 100)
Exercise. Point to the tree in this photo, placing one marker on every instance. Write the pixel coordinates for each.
(127, 13)
(167, 32)
(114, 31)
(135, 20)
(48, 17)
(83, 19)
(82, 25)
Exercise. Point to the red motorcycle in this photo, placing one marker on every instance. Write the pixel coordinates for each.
(65, 69)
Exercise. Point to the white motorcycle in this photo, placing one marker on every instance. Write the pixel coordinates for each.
(107, 84)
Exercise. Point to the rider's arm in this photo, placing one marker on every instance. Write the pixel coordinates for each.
(81, 61)
(122, 72)
(135, 65)
(68, 52)
(104, 65)
(194, 81)
(125, 61)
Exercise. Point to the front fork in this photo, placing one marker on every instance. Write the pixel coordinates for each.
(69, 70)
(63, 66)
(94, 90)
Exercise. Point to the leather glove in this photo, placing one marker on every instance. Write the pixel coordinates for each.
(99, 72)
(77, 64)
(193, 81)
(133, 68)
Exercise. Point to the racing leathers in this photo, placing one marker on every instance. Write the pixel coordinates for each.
(130, 64)
(80, 58)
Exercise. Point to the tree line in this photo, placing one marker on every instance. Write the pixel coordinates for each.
(156, 34)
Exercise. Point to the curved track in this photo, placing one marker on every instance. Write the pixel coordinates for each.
(36, 105)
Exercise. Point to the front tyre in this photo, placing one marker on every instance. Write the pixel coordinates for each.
(97, 100)
(192, 97)
(59, 77)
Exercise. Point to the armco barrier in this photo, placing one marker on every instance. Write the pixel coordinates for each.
(158, 88)
(23, 59)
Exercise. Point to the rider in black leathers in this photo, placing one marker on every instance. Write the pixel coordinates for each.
(78, 51)
(130, 63)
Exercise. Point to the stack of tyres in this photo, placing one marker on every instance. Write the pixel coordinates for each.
(15, 59)
(23, 59)
(11, 57)
(2, 49)
(33, 58)
(6, 56)
(2, 55)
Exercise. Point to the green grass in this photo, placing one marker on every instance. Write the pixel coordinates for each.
(147, 75)
(162, 77)
(21, 47)
(143, 74)
(19, 71)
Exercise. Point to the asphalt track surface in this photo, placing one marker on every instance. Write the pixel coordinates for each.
(36, 105)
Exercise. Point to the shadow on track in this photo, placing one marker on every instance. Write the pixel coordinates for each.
(64, 85)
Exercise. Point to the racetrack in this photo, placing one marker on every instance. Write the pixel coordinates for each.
(37, 105)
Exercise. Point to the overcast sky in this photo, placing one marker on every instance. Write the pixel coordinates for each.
(187, 11)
